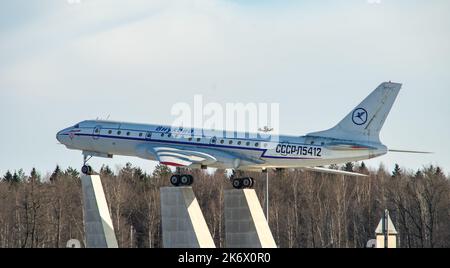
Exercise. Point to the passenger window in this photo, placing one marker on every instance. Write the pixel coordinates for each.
(110, 132)
(190, 139)
(231, 142)
(162, 134)
(198, 139)
(239, 142)
(222, 141)
(119, 132)
(140, 134)
(256, 144)
(248, 143)
(169, 135)
(97, 130)
(128, 133)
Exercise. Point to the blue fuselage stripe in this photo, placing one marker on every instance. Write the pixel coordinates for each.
(192, 144)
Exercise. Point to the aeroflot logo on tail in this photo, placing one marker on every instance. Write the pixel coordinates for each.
(359, 116)
(238, 119)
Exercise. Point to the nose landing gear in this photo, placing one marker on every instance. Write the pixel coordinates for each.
(86, 169)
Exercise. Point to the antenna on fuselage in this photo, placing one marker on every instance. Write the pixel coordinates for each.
(266, 129)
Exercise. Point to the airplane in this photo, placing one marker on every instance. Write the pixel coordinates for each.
(354, 138)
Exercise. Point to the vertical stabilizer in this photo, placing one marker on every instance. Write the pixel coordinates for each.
(365, 121)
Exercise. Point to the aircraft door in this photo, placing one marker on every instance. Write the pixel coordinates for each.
(96, 132)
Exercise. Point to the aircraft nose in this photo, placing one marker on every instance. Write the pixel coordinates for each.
(59, 136)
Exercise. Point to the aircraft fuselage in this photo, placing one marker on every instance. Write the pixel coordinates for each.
(243, 151)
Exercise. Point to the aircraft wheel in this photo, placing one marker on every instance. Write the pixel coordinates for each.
(191, 179)
(237, 184)
(185, 180)
(253, 182)
(247, 182)
(175, 180)
(87, 170)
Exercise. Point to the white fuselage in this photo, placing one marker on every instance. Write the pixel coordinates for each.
(244, 151)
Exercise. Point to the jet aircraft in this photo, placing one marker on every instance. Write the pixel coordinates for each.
(354, 138)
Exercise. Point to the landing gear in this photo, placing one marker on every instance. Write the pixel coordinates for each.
(237, 184)
(86, 169)
(182, 180)
(243, 183)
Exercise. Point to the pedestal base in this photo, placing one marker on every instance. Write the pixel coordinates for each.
(99, 230)
(183, 224)
(245, 223)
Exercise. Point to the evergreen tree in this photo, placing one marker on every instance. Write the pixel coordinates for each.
(56, 174)
(73, 173)
(34, 176)
(348, 167)
(397, 171)
(21, 175)
(105, 170)
(8, 177)
(138, 173)
(418, 174)
(126, 171)
(15, 178)
(161, 171)
(363, 168)
(439, 172)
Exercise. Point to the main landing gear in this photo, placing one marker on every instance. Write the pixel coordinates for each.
(242, 183)
(86, 169)
(181, 180)
(188, 180)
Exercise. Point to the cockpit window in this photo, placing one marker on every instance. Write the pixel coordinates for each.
(77, 126)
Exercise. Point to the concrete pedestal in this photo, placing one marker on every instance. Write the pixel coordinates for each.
(98, 225)
(183, 224)
(245, 223)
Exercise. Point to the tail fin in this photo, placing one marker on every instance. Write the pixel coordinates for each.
(365, 121)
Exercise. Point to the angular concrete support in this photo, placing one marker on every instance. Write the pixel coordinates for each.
(98, 225)
(245, 223)
(183, 224)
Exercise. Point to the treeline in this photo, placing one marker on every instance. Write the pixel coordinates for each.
(306, 209)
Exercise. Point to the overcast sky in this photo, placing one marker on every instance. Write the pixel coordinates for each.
(64, 61)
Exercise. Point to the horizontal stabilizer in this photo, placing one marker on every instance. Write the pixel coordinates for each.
(409, 152)
(334, 171)
(339, 146)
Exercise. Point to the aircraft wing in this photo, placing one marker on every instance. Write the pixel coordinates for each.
(173, 156)
(334, 171)
(178, 155)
